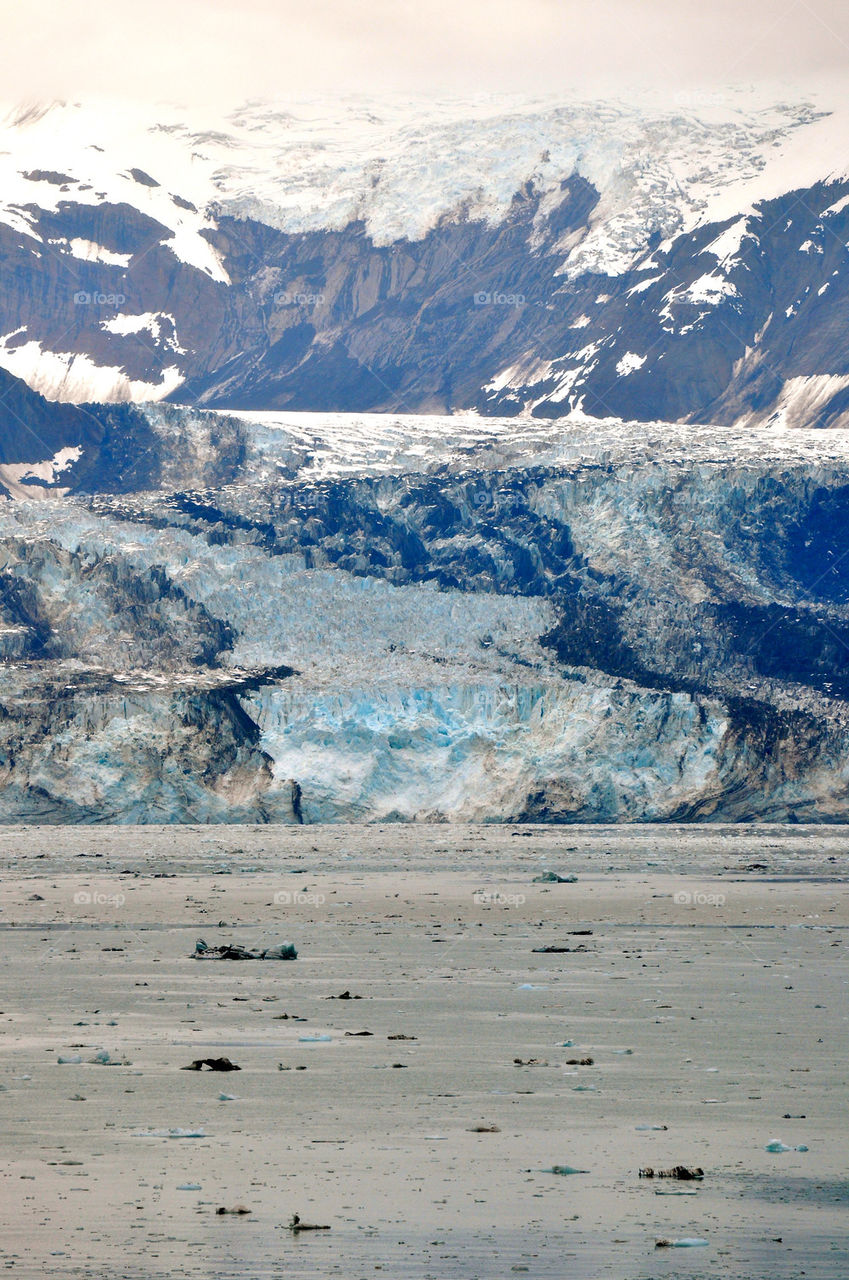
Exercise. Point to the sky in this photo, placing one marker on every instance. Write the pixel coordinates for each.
(223, 52)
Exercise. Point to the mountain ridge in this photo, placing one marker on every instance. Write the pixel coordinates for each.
(511, 257)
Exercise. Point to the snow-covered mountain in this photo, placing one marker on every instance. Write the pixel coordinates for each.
(684, 262)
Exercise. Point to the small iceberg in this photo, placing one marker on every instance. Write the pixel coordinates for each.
(687, 1242)
(775, 1145)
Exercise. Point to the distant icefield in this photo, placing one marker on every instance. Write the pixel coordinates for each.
(643, 260)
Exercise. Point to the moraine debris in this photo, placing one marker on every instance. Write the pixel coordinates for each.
(554, 950)
(214, 1064)
(230, 951)
(296, 1225)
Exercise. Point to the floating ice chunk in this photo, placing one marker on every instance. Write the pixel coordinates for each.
(226, 1097)
(69, 1058)
(189, 1186)
(314, 1039)
(285, 951)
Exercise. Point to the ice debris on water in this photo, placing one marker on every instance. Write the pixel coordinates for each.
(103, 1058)
(554, 877)
(189, 1186)
(314, 1039)
(171, 1133)
(214, 1064)
(687, 1242)
(69, 1058)
(230, 951)
(775, 1145)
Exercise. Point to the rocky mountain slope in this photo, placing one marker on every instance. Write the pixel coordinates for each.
(272, 617)
(682, 263)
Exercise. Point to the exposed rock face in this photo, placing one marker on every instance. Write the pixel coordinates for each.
(630, 263)
(432, 619)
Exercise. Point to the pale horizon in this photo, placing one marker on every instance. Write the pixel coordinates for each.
(200, 53)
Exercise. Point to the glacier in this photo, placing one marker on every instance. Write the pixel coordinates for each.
(267, 617)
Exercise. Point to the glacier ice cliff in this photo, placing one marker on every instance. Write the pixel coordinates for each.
(204, 616)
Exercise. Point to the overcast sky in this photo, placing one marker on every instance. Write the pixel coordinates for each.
(208, 51)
